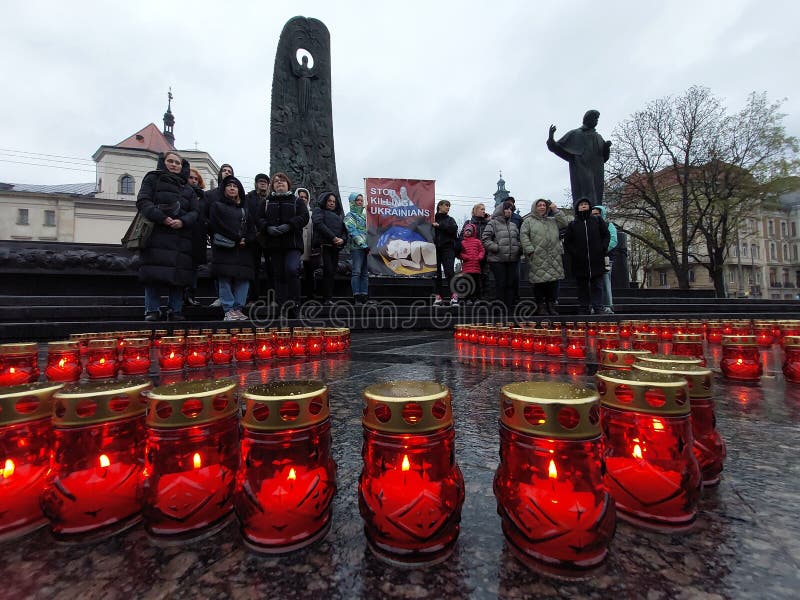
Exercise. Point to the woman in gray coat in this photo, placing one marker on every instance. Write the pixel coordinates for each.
(542, 247)
(501, 240)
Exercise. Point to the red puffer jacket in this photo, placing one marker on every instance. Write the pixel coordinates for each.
(472, 252)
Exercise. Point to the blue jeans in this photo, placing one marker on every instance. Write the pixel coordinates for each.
(607, 298)
(360, 279)
(233, 292)
(152, 298)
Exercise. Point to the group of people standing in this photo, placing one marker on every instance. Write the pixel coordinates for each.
(496, 244)
(271, 222)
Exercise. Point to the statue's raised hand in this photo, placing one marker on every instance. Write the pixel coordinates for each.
(552, 131)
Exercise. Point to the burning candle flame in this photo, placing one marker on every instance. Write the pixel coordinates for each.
(739, 361)
(8, 468)
(658, 425)
(102, 361)
(104, 462)
(406, 465)
(292, 475)
(637, 451)
(552, 472)
(197, 461)
(12, 370)
(62, 362)
(172, 354)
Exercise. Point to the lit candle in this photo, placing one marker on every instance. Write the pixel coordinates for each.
(282, 341)
(19, 363)
(740, 358)
(245, 348)
(576, 344)
(314, 342)
(298, 343)
(101, 361)
(791, 361)
(197, 351)
(63, 361)
(136, 356)
(172, 353)
(263, 346)
(221, 349)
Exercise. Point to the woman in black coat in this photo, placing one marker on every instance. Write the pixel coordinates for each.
(586, 241)
(199, 234)
(166, 262)
(281, 221)
(232, 247)
(329, 235)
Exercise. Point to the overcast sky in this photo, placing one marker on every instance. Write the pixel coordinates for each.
(452, 91)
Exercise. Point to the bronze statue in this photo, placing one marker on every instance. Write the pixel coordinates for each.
(586, 152)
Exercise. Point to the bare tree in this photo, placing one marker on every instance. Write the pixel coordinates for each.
(686, 169)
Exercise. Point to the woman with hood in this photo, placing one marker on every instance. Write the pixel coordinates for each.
(608, 301)
(501, 240)
(231, 247)
(166, 262)
(199, 235)
(586, 241)
(329, 235)
(542, 247)
(472, 254)
(211, 196)
(356, 223)
(309, 260)
(281, 223)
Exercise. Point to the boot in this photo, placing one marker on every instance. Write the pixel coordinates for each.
(188, 297)
(551, 308)
(359, 300)
(541, 308)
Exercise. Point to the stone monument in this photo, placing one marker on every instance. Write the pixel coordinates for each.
(301, 127)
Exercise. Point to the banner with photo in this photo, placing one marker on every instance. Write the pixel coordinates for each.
(399, 217)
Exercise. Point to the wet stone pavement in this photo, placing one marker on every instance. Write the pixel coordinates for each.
(746, 543)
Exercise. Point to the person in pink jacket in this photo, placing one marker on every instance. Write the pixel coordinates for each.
(471, 255)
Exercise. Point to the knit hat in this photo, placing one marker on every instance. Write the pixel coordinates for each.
(262, 177)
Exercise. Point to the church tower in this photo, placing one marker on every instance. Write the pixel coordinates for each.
(502, 193)
(169, 121)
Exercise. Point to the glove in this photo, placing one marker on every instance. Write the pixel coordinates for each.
(272, 230)
(284, 228)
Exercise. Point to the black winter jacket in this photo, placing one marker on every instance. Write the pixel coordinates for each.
(200, 230)
(444, 236)
(235, 223)
(168, 256)
(327, 224)
(280, 209)
(586, 240)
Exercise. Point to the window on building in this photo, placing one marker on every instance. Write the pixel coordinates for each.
(784, 229)
(773, 251)
(735, 251)
(22, 216)
(731, 276)
(662, 279)
(126, 185)
(772, 277)
(784, 252)
(49, 218)
(744, 249)
(771, 228)
(754, 252)
(794, 253)
(691, 275)
(794, 229)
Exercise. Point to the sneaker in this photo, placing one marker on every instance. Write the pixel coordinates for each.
(454, 300)
(176, 317)
(438, 300)
(231, 316)
(240, 316)
(216, 303)
(607, 310)
(153, 316)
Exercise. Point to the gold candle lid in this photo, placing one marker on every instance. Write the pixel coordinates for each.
(282, 405)
(99, 402)
(190, 403)
(651, 393)
(791, 341)
(137, 342)
(645, 336)
(245, 337)
(675, 359)
(27, 402)
(698, 378)
(407, 406)
(551, 409)
(64, 346)
(612, 357)
(196, 339)
(173, 340)
(687, 338)
(19, 348)
(739, 340)
(102, 344)
(221, 337)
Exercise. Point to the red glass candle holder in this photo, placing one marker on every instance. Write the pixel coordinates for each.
(576, 344)
(625, 330)
(221, 349)
(282, 341)
(714, 332)
(135, 356)
(741, 360)
(191, 460)
(97, 459)
(651, 470)
(263, 348)
(620, 359)
(791, 358)
(157, 335)
(245, 348)
(556, 513)
(491, 336)
(63, 361)
(172, 353)
(553, 345)
(299, 343)
(458, 332)
(411, 490)
(25, 437)
(539, 341)
(764, 334)
(709, 448)
(527, 340)
(688, 344)
(607, 340)
(645, 341)
(504, 336)
(198, 351)
(287, 477)
(314, 342)
(474, 331)
(102, 361)
(344, 332)
(19, 363)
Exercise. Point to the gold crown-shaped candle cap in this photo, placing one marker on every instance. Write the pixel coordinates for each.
(407, 406)
(623, 359)
(19, 348)
(191, 403)
(99, 402)
(645, 336)
(193, 340)
(221, 338)
(739, 340)
(137, 342)
(687, 338)
(551, 409)
(102, 344)
(282, 405)
(674, 359)
(173, 340)
(64, 346)
(699, 378)
(27, 402)
(639, 391)
(791, 341)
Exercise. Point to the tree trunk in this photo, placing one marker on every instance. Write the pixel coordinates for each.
(683, 278)
(718, 275)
